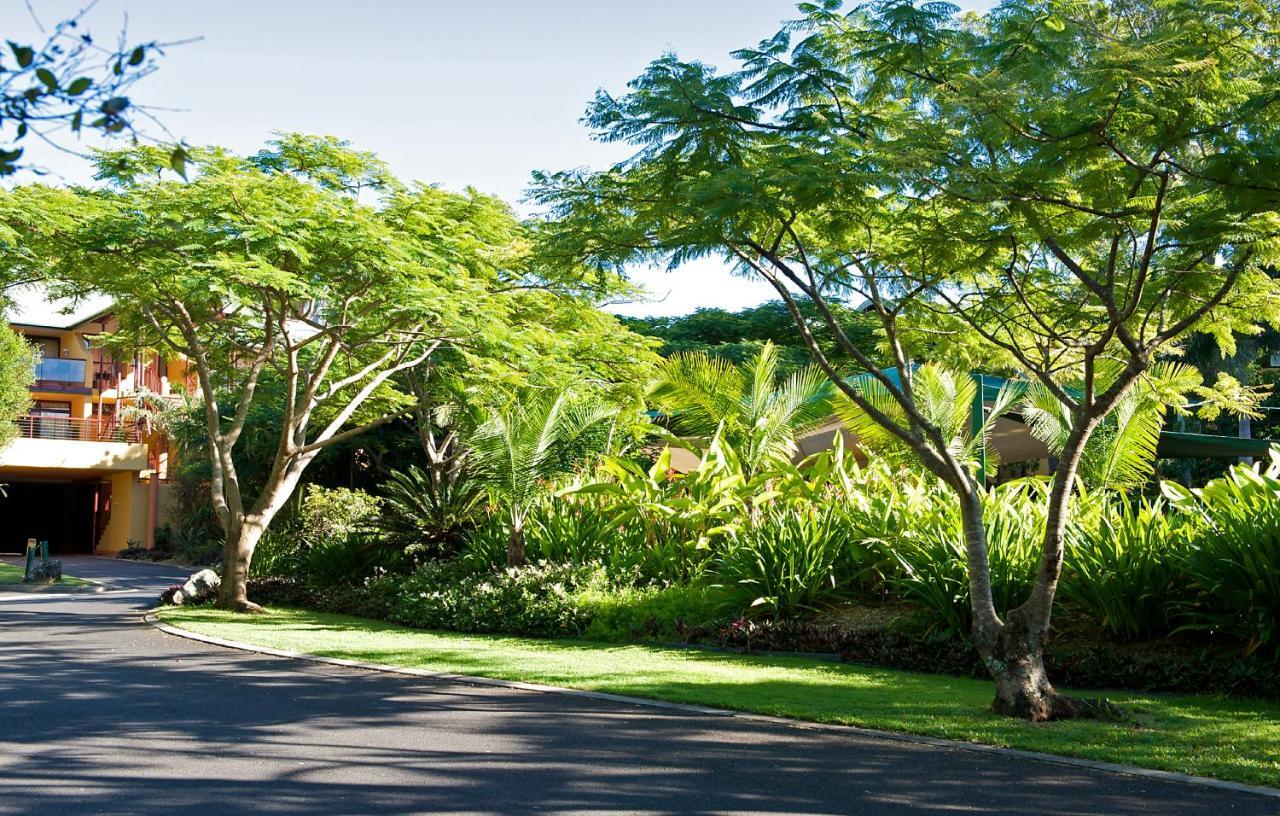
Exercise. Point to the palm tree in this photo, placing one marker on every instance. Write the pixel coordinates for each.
(944, 398)
(759, 414)
(1121, 454)
(517, 450)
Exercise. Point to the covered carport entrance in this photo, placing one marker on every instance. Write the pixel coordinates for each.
(69, 514)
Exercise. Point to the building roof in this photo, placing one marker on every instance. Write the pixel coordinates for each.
(32, 306)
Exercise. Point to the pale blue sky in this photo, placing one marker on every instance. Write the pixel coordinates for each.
(454, 93)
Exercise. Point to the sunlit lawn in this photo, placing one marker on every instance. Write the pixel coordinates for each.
(1229, 738)
(11, 574)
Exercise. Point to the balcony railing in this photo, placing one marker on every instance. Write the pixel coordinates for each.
(75, 429)
(60, 371)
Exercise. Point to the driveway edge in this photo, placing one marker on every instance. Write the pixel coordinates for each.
(1074, 762)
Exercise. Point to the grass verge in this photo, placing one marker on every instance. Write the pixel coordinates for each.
(1227, 738)
(10, 574)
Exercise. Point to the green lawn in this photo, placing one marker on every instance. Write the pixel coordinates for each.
(1209, 736)
(11, 574)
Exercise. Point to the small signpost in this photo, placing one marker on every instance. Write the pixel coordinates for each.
(31, 558)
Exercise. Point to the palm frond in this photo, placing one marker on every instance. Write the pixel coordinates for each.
(746, 404)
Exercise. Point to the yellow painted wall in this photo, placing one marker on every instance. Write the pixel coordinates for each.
(128, 513)
(74, 455)
(118, 532)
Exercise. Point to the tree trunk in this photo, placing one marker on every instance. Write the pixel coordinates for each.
(515, 547)
(1014, 651)
(233, 594)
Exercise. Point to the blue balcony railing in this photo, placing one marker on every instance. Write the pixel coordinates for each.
(60, 371)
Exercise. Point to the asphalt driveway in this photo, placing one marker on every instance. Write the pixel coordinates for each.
(102, 714)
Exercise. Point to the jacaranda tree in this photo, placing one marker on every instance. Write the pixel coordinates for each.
(303, 274)
(1060, 190)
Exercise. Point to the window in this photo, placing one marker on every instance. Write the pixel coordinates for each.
(50, 347)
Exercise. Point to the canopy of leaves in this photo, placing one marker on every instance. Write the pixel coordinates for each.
(1034, 190)
(17, 373)
(738, 336)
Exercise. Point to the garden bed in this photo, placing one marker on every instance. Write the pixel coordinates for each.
(874, 636)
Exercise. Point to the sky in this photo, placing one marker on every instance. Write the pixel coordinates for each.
(453, 93)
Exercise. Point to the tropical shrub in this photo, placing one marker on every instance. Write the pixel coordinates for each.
(330, 514)
(666, 612)
(787, 561)
(672, 522)
(1123, 564)
(530, 600)
(748, 404)
(426, 513)
(328, 541)
(933, 570)
(1233, 562)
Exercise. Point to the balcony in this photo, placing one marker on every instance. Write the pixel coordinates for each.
(60, 374)
(75, 429)
(60, 445)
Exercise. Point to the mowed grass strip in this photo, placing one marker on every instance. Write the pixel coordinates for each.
(10, 574)
(1228, 738)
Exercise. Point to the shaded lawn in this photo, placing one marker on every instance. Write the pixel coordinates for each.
(1228, 738)
(10, 574)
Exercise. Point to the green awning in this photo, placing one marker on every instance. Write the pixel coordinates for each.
(1178, 445)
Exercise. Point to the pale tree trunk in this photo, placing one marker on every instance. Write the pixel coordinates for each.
(243, 538)
(1014, 651)
(237, 554)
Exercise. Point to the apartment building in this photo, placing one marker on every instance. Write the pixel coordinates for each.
(84, 474)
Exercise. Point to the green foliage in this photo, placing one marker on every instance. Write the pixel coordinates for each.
(933, 570)
(331, 514)
(535, 600)
(1121, 454)
(17, 373)
(71, 81)
(786, 562)
(680, 519)
(1234, 560)
(1124, 565)
(536, 438)
(623, 613)
(738, 336)
(751, 408)
(943, 397)
(328, 542)
(427, 513)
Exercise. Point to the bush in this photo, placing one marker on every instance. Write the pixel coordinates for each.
(1123, 565)
(330, 514)
(135, 551)
(428, 513)
(623, 613)
(195, 548)
(930, 552)
(329, 542)
(1234, 559)
(573, 530)
(534, 600)
(788, 561)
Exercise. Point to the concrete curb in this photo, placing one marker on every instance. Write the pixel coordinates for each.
(92, 588)
(934, 742)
